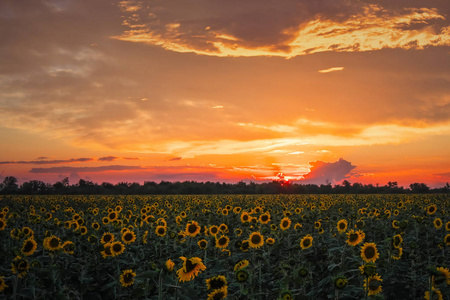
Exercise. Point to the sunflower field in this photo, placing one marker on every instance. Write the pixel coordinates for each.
(225, 246)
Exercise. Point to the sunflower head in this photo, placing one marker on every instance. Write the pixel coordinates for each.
(190, 269)
(202, 244)
(286, 295)
(68, 247)
(342, 226)
(192, 229)
(216, 282)
(285, 223)
(373, 284)
(256, 240)
(437, 223)
(241, 264)
(369, 252)
(242, 275)
(128, 237)
(29, 246)
(169, 265)
(306, 242)
(368, 269)
(127, 278)
(218, 294)
(222, 242)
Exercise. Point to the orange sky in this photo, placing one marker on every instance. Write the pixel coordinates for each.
(320, 91)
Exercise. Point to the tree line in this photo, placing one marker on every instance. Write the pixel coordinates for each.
(36, 187)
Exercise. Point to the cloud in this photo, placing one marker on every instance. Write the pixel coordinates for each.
(84, 169)
(323, 172)
(175, 158)
(333, 69)
(442, 176)
(46, 162)
(289, 29)
(108, 158)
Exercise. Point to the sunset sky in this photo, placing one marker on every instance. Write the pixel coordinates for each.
(213, 90)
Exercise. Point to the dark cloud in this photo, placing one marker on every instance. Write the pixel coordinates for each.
(108, 158)
(42, 157)
(85, 169)
(443, 176)
(323, 172)
(175, 158)
(46, 162)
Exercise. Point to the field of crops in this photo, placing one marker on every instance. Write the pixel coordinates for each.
(227, 246)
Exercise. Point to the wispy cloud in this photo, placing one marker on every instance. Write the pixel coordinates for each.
(46, 162)
(85, 169)
(333, 69)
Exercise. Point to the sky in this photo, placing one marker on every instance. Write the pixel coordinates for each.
(308, 91)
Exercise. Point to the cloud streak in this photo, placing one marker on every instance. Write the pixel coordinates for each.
(85, 169)
(47, 162)
(295, 28)
(333, 69)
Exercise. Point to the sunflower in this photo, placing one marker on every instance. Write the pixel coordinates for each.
(397, 253)
(237, 232)
(105, 220)
(245, 246)
(161, 230)
(117, 248)
(373, 284)
(241, 264)
(353, 238)
(112, 216)
(285, 223)
(107, 238)
(306, 242)
(286, 295)
(218, 294)
(264, 218)
(202, 244)
(245, 217)
(256, 240)
(241, 275)
(340, 282)
(95, 226)
(127, 278)
(342, 226)
(397, 241)
(395, 224)
(214, 230)
(68, 247)
(169, 265)
(52, 243)
(191, 267)
(29, 246)
(369, 252)
(20, 266)
(223, 228)
(368, 269)
(443, 275)
(237, 209)
(192, 229)
(447, 240)
(128, 237)
(270, 241)
(222, 242)
(298, 226)
(437, 223)
(3, 285)
(447, 226)
(437, 295)
(273, 227)
(107, 250)
(431, 209)
(2, 224)
(216, 282)
(27, 231)
(83, 230)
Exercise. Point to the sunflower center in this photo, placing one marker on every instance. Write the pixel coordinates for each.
(117, 247)
(306, 242)
(192, 228)
(285, 224)
(223, 241)
(190, 266)
(161, 230)
(369, 252)
(28, 246)
(256, 239)
(216, 284)
(374, 284)
(54, 243)
(264, 218)
(341, 225)
(128, 277)
(353, 237)
(128, 236)
(107, 238)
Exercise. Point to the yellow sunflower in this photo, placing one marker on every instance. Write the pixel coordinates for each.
(52, 243)
(431, 209)
(437, 223)
(190, 269)
(447, 240)
(20, 266)
(354, 238)
(223, 228)
(369, 252)
(443, 275)
(2, 224)
(107, 238)
(29, 246)
(306, 242)
(216, 282)
(342, 226)
(127, 278)
(256, 240)
(270, 241)
(397, 253)
(285, 223)
(202, 244)
(222, 242)
(241, 264)
(218, 294)
(107, 250)
(373, 284)
(117, 248)
(161, 230)
(3, 285)
(192, 229)
(214, 230)
(264, 218)
(169, 265)
(397, 241)
(395, 224)
(128, 237)
(436, 294)
(68, 247)
(245, 217)
(447, 226)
